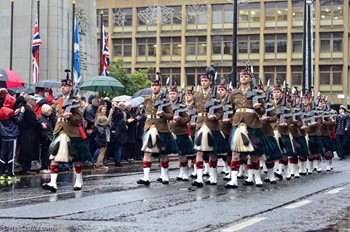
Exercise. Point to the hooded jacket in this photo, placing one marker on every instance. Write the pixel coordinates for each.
(9, 129)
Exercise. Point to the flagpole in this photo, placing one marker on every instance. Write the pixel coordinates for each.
(11, 36)
(101, 40)
(38, 13)
(73, 27)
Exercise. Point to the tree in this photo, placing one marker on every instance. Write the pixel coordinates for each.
(132, 82)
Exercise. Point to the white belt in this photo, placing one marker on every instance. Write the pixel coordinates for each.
(247, 110)
(202, 114)
(62, 120)
(152, 116)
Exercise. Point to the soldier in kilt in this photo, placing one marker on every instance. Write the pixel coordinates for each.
(282, 134)
(273, 152)
(208, 138)
(315, 142)
(246, 122)
(225, 127)
(69, 132)
(192, 112)
(178, 126)
(325, 129)
(157, 137)
(304, 149)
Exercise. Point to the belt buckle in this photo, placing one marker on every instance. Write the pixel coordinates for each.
(243, 110)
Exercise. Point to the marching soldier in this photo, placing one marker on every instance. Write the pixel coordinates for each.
(70, 134)
(208, 139)
(178, 126)
(245, 101)
(158, 138)
(282, 130)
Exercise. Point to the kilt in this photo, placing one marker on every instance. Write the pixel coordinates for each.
(315, 145)
(302, 150)
(82, 152)
(260, 148)
(220, 145)
(185, 145)
(274, 153)
(328, 144)
(169, 143)
(287, 145)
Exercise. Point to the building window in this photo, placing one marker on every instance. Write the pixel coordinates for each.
(104, 17)
(276, 11)
(122, 17)
(171, 46)
(331, 42)
(298, 10)
(249, 13)
(297, 43)
(276, 43)
(277, 75)
(196, 45)
(122, 47)
(331, 10)
(297, 73)
(176, 18)
(146, 47)
(222, 14)
(174, 75)
(222, 45)
(331, 75)
(248, 44)
(192, 76)
(196, 18)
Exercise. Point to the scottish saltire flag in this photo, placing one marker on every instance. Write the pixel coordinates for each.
(105, 54)
(76, 66)
(35, 51)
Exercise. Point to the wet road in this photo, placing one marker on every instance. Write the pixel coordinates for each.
(112, 201)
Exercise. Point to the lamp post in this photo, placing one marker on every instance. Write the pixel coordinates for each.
(11, 33)
(234, 42)
(101, 39)
(307, 81)
(73, 27)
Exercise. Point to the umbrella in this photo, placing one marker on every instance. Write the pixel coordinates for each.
(137, 101)
(9, 79)
(47, 84)
(122, 98)
(142, 93)
(102, 84)
(26, 89)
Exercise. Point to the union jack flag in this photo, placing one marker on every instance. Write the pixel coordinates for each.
(105, 54)
(35, 51)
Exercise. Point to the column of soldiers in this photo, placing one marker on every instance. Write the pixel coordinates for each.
(248, 127)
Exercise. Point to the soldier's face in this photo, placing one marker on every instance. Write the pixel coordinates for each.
(306, 101)
(189, 97)
(222, 92)
(276, 94)
(155, 88)
(65, 89)
(173, 96)
(244, 79)
(205, 83)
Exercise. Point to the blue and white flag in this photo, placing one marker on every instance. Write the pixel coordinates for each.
(76, 67)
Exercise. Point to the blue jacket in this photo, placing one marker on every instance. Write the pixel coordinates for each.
(342, 122)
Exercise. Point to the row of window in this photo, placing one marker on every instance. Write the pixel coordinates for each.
(331, 10)
(328, 75)
(222, 45)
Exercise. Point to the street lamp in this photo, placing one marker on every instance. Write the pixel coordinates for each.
(234, 42)
(11, 33)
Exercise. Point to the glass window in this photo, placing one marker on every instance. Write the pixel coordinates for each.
(146, 47)
(217, 14)
(298, 10)
(243, 47)
(196, 45)
(282, 11)
(122, 17)
(297, 43)
(296, 75)
(121, 47)
(331, 10)
(139, 21)
(177, 16)
(270, 11)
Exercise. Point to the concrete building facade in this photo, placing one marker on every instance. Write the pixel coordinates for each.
(55, 28)
(270, 37)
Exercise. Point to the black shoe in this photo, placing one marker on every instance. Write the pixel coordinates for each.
(118, 164)
(197, 184)
(206, 174)
(279, 176)
(185, 179)
(159, 179)
(144, 182)
(302, 173)
(179, 179)
(273, 182)
(193, 176)
(227, 178)
(248, 183)
(48, 187)
(267, 180)
(240, 177)
(207, 182)
(77, 188)
(288, 178)
(258, 185)
(165, 182)
(228, 186)
(222, 172)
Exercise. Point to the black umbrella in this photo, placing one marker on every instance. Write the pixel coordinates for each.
(26, 89)
(142, 93)
(47, 84)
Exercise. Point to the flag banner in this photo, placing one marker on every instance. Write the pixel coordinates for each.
(105, 54)
(76, 66)
(35, 51)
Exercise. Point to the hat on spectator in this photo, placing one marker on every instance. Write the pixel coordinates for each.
(106, 99)
(45, 108)
(127, 104)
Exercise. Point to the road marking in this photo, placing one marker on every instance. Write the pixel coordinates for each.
(297, 204)
(243, 225)
(334, 191)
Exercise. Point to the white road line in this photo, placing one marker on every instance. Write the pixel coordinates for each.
(334, 191)
(243, 225)
(297, 204)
